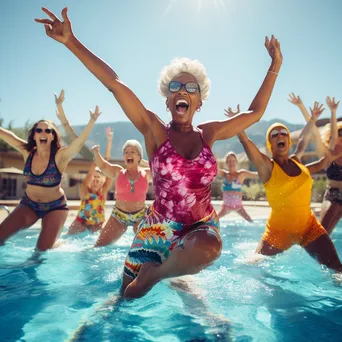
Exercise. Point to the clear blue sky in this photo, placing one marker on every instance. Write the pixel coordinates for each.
(137, 38)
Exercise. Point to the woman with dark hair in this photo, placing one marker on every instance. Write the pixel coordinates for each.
(180, 232)
(45, 162)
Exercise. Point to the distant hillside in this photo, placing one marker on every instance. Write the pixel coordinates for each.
(125, 130)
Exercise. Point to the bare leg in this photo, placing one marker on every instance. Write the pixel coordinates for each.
(223, 211)
(135, 227)
(21, 217)
(242, 212)
(330, 215)
(323, 250)
(199, 250)
(52, 226)
(265, 248)
(112, 231)
(76, 227)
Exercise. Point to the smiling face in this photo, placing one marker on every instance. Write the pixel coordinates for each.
(231, 162)
(98, 181)
(279, 140)
(131, 157)
(43, 135)
(183, 104)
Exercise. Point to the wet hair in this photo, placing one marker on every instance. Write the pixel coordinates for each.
(231, 154)
(326, 132)
(181, 65)
(55, 144)
(133, 143)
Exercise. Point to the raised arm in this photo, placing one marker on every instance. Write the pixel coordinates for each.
(262, 163)
(87, 181)
(220, 130)
(304, 137)
(14, 141)
(333, 105)
(71, 135)
(69, 152)
(321, 149)
(109, 134)
(62, 32)
(62, 117)
(108, 169)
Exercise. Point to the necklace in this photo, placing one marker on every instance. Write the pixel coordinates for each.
(132, 182)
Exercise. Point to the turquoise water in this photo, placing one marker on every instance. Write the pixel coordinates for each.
(285, 298)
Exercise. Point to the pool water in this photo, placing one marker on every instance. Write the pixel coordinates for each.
(63, 295)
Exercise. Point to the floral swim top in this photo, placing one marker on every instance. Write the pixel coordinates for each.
(183, 186)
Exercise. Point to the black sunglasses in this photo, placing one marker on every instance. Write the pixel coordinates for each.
(40, 130)
(190, 87)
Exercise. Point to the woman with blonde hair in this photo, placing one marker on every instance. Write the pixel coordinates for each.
(330, 145)
(94, 188)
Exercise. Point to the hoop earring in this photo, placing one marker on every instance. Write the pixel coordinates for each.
(198, 109)
(167, 109)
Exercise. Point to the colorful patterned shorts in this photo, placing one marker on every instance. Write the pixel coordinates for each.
(41, 209)
(128, 219)
(158, 236)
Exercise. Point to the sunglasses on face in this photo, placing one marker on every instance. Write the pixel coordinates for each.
(190, 87)
(46, 130)
(282, 132)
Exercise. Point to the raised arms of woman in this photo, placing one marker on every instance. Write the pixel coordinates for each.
(64, 155)
(108, 169)
(71, 135)
(262, 163)
(333, 105)
(220, 130)
(304, 137)
(321, 149)
(61, 31)
(14, 141)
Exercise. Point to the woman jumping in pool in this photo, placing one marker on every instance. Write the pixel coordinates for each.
(94, 188)
(180, 233)
(288, 189)
(232, 184)
(131, 187)
(45, 162)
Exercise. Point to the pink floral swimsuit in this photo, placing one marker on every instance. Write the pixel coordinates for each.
(182, 205)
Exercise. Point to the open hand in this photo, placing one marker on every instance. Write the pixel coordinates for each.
(109, 133)
(273, 48)
(296, 100)
(59, 99)
(230, 113)
(332, 104)
(317, 110)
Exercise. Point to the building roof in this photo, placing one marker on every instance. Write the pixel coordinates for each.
(12, 170)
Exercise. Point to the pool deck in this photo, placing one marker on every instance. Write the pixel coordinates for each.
(256, 209)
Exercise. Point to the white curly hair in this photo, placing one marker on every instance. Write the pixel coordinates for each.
(133, 143)
(179, 65)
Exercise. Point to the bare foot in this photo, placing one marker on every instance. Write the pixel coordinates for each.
(143, 283)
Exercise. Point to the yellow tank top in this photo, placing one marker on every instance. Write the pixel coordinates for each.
(289, 198)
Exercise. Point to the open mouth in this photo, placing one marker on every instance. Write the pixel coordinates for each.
(130, 160)
(181, 106)
(43, 140)
(281, 144)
